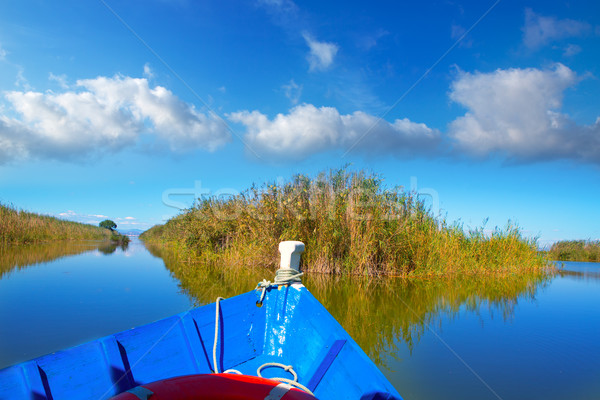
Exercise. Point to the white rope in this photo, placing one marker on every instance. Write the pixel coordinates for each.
(217, 307)
(287, 368)
(215, 364)
(282, 277)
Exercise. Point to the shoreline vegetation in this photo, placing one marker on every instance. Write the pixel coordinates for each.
(23, 227)
(351, 225)
(575, 250)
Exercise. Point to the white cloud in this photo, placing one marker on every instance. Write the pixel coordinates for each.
(148, 73)
(94, 219)
(306, 130)
(539, 30)
(60, 79)
(292, 91)
(21, 81)
(321, 54)
(516, 112)
(106, 114)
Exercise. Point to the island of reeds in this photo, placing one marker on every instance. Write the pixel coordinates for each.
(20, 227)
(351, 224)
(576, 250)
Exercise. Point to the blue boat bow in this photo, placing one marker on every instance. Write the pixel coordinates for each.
(289, 326)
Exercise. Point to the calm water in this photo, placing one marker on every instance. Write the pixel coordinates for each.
(479, 339)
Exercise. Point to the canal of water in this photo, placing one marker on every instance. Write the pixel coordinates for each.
(462, 338)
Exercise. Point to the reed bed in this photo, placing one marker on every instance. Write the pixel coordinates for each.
(18, 227)
(351, 224)
(576, 250)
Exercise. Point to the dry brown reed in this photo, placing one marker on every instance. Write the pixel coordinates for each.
(351, 224)
(18, 226)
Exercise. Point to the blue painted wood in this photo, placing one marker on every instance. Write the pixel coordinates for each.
(333, 352)
(291, 327)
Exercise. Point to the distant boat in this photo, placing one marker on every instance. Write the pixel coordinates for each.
(278, 331)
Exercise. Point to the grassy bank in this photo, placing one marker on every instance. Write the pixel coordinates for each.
(18, 227)
(576, 250)
(351, 224)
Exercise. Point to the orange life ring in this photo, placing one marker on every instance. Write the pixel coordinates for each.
(214, 387)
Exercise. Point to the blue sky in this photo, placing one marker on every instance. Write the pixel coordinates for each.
(127, 109)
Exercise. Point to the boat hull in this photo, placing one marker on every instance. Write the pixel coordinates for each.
(291, 327)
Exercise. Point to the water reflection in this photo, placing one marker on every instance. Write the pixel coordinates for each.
(204, 283)
(64, 301)
(378, 313)
(375, 312)
(21, 256)
(107, 248)
(579, 270)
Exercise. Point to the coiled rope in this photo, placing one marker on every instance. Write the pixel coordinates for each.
(287, 368)
(283, 276)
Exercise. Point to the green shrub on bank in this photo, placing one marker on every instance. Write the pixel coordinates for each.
(576, 250)
(351, 224)
(17, 226)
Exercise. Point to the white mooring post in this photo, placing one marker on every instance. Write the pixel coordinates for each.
(290, 254)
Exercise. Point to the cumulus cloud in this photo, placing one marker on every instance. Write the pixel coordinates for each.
(517, 112)
(539, 30)
(307, 130)
(104, 115)
(321, 54)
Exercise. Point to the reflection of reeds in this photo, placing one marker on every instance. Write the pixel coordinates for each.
(351, 224)
(17, 226)
(375, 312)
(20, 256)
(378, 312)
(206, 282)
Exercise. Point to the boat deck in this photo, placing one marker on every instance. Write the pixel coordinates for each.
(291, 328)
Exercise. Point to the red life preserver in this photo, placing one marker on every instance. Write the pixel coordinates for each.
(215, 386)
